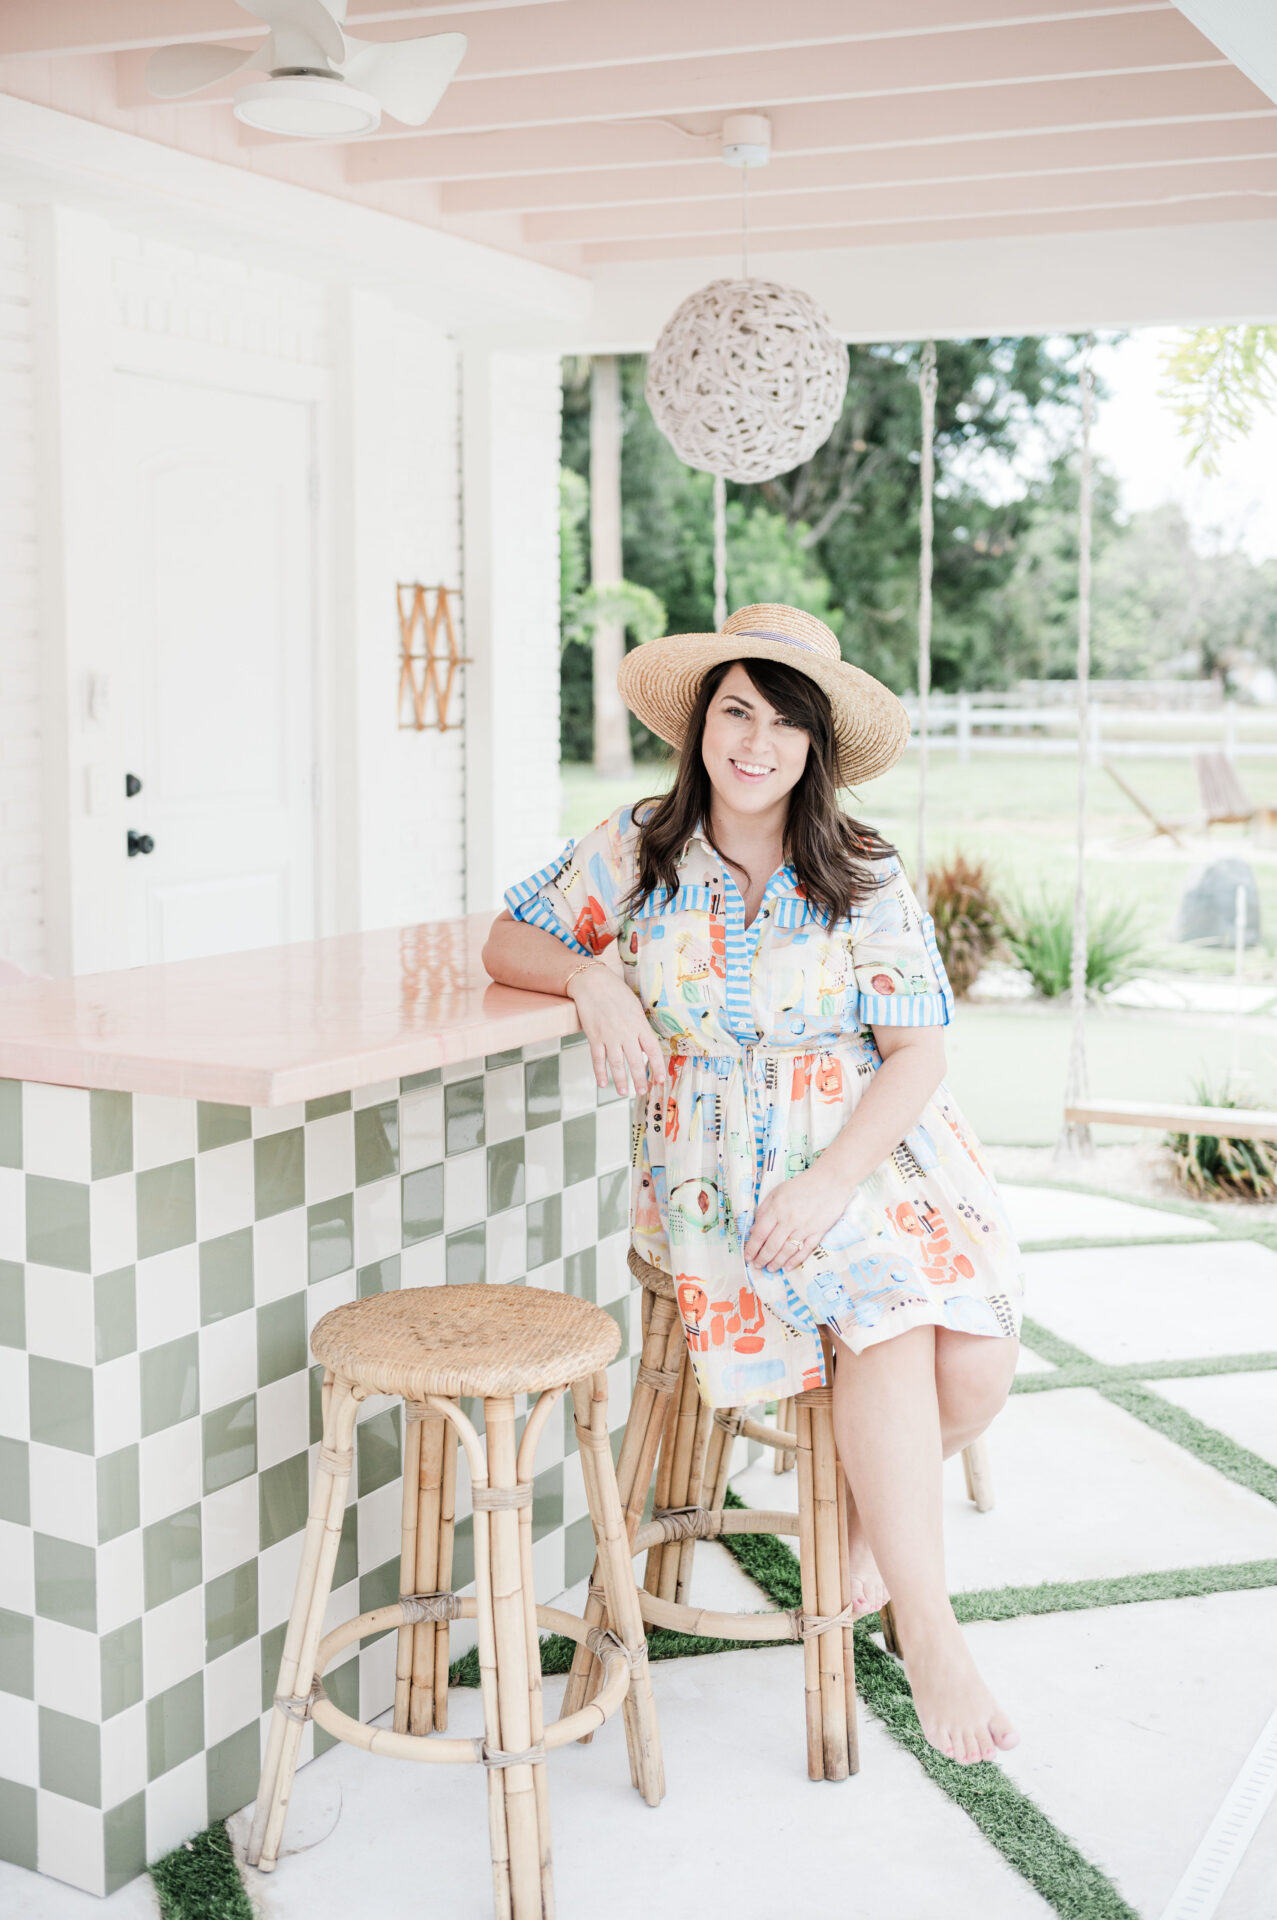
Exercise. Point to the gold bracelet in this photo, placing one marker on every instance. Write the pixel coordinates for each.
(572, 976)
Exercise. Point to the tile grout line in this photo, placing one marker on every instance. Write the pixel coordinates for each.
(1223, 1847)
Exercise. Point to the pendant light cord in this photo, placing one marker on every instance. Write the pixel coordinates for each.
(744, 223)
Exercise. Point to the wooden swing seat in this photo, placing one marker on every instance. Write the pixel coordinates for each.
(1231, 1123)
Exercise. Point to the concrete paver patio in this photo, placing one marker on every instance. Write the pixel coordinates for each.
(1135, 1718)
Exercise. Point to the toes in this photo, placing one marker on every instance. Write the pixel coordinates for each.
(1003, 1732)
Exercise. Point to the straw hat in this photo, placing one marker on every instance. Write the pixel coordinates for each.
(659, 681)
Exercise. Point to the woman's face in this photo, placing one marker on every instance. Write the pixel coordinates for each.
(753, 755)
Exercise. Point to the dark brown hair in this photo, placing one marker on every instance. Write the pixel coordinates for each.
(828, 850)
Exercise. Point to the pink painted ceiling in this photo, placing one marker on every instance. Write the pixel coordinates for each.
(584, 131)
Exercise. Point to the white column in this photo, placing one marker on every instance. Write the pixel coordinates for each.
(82, 688)
(511, 418)
(611, 718)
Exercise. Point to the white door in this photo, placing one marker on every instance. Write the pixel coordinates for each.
(217, 578)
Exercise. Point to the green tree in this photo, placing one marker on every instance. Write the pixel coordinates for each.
(1217, 380)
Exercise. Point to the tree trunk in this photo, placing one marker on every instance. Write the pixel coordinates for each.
(611, 718)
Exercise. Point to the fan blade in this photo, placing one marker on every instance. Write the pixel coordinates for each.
(308, 18)
(173, 71)
(408, 77)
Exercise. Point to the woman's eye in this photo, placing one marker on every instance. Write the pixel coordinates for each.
(736, 713)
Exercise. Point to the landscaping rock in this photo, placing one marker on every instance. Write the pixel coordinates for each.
(1208, 906)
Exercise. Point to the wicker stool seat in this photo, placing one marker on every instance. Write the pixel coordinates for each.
(680, 1449)
(433, 1346)
(467, 1341)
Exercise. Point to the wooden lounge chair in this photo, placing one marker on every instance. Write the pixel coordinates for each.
(1225, 801)
(1170, 828)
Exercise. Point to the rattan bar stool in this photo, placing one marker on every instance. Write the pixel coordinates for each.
(434, 1346)
(670, 1433)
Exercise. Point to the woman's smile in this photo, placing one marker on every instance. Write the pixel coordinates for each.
(751, 770)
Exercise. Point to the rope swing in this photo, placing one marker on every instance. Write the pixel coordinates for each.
(1075, 1136)
(926, 530)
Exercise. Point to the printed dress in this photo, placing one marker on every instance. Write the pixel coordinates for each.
(767, 1033)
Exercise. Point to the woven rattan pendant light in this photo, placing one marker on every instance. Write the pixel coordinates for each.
(746, 379)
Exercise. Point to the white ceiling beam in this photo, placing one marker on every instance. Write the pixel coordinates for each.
(1085, 149)
(595, 149)
(872, 203)
(1128, 273)
(1244, 30)
(529, 37)
(726, 82)
(721, 257)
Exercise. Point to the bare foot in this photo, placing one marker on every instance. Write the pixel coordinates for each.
(958, 1714)
(868, 1591)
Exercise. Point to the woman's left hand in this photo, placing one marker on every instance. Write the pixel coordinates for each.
(794, 1217)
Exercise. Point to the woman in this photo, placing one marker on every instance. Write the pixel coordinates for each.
(799, 1160)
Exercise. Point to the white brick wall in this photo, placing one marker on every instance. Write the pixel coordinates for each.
(528, 396)
(21, 910)
(512, 411)
(160, 288)
(425, 539)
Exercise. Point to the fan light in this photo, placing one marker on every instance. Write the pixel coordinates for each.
(307, 103)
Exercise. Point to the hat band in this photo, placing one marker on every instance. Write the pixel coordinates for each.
(764, 633)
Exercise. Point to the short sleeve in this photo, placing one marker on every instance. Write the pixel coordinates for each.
(899, 975)
(578, 897)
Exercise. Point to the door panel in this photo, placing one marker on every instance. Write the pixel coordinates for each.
(218, 580)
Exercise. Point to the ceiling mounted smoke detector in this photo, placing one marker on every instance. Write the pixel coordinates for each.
(747, 140)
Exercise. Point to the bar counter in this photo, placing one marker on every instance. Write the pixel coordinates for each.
(197, 1161)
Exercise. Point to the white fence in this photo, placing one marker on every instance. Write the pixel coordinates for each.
(1115, 732)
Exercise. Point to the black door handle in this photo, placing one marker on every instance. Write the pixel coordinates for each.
(132, 785)
(140, 843)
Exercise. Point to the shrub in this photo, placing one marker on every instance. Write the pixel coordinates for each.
(967, 917)
(1221, 1168)
(1040, 936)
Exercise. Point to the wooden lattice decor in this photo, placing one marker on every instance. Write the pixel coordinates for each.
(429, 658)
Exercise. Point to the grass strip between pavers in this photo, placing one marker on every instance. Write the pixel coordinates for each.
(1099, 1373)
(200, 1880)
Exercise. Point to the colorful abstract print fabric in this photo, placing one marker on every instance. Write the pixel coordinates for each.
(768, 1034)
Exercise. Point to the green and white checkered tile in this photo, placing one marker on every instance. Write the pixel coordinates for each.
(161, 1265)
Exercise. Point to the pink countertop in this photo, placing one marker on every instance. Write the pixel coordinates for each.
(280, 1024)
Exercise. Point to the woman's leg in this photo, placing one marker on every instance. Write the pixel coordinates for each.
(888, 1429)
(973, 1377)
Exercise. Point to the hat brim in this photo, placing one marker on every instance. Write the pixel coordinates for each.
(660, 679)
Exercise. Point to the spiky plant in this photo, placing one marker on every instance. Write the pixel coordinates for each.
(968, 920)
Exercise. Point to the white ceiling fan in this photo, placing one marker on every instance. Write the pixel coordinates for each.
(322, 82)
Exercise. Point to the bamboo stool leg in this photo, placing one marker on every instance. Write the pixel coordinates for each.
(831, 1598)
(407, 1563)
(650, 1405)
(810, 1600)
(516, 1676)
(447, 1534)
(678, 1424)
(305, 1623)
(783, 1460)
(979, 1475)
(889, 1636)
(847, 1630)
(589, 1399)
(526, 1469)
(695, 1492)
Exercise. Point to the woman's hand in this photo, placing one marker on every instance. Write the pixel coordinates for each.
(794, 1217)
(613, 1021)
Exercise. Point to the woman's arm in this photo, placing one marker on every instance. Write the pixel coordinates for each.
(611, 1016)
(806, 1206)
